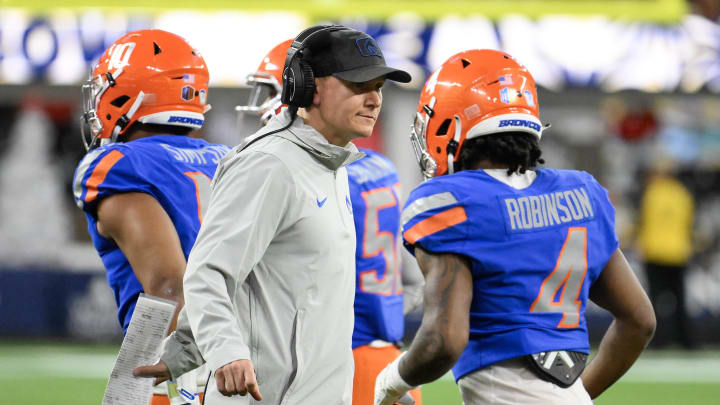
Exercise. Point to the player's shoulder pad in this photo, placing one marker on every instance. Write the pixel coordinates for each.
(567, 175)
(101, 171)
(431, 194)
(94, 158)
(372, 167)
(590, 181)
(598, 193)
(432, 207)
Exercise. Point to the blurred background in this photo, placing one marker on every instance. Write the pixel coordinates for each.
(631, 88)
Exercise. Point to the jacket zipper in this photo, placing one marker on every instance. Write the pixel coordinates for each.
(296, 358)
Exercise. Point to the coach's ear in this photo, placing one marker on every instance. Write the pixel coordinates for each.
(320, 87)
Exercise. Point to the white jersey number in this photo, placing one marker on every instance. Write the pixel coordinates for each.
(120, 55)
(376, 241)
(202, 191)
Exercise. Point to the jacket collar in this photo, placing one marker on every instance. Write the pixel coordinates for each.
(331, 156)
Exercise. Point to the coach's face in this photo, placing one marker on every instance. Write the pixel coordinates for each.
(348, 110)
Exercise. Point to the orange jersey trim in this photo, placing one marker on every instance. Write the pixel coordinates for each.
(99, 173)
(435, 223)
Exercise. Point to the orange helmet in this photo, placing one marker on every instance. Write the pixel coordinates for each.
(474, 93)
(150, 76)
(266, 84)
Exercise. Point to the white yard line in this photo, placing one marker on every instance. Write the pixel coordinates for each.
(675, 370)
(74, 365)
(25, 361)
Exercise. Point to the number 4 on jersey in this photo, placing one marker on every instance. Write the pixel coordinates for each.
(560, 291)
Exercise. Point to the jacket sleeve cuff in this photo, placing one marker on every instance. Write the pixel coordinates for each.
(222, 356)
(180, 355)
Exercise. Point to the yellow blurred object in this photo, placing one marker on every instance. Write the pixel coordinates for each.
(666, 214)
(664, 11)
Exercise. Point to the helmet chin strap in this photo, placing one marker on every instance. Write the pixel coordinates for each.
(452, 146)
(125, 119)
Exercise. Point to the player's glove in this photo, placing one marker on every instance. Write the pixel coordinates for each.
(390, 388)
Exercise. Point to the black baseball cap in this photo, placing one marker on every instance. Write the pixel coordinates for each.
(354, 56)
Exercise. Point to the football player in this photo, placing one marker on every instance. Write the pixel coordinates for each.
(380, 289)
(511, 253)
(144, 182)
(266, 85)
(375, 200)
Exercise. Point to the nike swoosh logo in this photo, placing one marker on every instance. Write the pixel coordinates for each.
(320, 203)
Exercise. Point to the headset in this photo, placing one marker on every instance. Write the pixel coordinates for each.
(298, 79)
(298, 85)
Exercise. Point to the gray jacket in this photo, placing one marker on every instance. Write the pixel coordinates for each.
(271, 277)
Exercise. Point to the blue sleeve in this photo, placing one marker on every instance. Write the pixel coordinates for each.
(605, 215)
(436, 219)
(111, 171)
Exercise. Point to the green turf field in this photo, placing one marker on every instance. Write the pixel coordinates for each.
(52, 373)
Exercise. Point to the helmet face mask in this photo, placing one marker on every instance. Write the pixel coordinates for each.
(428, 167)
(265, 86)
(91, 126)
(264, 98)
(474, 93)
(147, 76)
(92, 90)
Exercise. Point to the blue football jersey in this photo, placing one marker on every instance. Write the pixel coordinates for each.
(175, 170)
(374, 194)
(534, 252)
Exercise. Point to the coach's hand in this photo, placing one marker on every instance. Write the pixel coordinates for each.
(158, 370)
(237, 377)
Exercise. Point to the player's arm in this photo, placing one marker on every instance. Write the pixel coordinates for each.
(146, 235)
(443, 333)
(618, 291)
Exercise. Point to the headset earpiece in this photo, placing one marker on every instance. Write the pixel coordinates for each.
(298, 86)
(308, 80)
